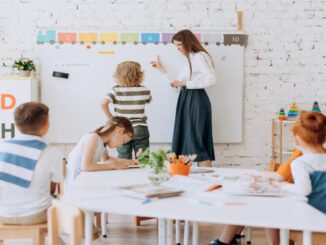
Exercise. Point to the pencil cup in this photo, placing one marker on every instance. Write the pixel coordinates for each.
(179, 169)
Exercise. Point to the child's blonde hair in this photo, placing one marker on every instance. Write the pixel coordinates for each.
(311, 128)
(129, 74)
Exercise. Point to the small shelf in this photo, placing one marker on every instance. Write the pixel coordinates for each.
(284, 121)
(284, 152)
(281, 144)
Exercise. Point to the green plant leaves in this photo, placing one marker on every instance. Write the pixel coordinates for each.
(154, 160)
(24, 64)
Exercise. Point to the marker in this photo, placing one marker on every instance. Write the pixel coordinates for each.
(147, 200)
(105, 52)
(206, 203)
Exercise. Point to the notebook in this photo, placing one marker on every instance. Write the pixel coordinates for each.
(198, 170)
(149, 191)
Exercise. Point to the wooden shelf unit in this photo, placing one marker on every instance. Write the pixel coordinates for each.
(278, 134)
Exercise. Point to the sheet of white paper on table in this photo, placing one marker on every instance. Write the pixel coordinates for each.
(188, 184)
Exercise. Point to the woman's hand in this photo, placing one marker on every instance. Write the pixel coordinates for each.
(158, 65)
(177, 84)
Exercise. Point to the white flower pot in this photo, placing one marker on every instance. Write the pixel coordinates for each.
(25, 73)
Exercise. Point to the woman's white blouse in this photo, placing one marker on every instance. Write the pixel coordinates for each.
(203, 73)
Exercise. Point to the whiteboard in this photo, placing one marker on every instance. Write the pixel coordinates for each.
(75, 102)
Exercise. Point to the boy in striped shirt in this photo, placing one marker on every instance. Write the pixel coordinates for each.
(29, 168)
(129, 99)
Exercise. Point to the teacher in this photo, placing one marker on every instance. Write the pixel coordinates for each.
(193, 119)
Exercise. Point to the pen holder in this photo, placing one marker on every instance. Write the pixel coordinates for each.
(180, 169)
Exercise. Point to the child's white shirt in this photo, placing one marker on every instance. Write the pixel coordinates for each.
(301, 169)
(203, 73)
(16, 201)
(75, 158)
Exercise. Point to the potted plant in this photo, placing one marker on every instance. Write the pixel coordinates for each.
(25, 66)
(155, 160)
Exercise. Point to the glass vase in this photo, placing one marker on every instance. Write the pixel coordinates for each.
(156, 177)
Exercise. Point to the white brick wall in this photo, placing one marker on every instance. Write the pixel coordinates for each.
(285, 58)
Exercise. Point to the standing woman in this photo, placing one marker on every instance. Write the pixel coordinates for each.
(193, 120)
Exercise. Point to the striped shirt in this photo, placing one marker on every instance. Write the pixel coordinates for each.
(130, 102)
(18, 160)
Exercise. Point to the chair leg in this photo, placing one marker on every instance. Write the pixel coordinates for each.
(104, 223)
(39, 237)
(248, 235)
(138, 220)
(98, 220)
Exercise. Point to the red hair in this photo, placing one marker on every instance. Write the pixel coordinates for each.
(311, 128)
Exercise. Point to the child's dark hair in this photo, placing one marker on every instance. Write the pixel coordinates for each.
(30, 117)
(311, 127)
(122, 122)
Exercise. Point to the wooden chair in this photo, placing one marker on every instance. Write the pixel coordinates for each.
(139, 219)
(65, 218)
(317, 238)
(36, 232)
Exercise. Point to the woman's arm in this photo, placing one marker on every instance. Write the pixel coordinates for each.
(159, 66)
(105, 108)
(88, 164)
(205, 77)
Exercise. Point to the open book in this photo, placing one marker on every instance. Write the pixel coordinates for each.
(149, 191)
(250, 185)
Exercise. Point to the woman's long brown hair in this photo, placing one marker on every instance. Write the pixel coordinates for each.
(190, 43)
(121, 122)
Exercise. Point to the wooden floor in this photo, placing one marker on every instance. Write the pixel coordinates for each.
(123, 231)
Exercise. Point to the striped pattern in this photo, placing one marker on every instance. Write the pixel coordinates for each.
(130, 102)
(18, 160)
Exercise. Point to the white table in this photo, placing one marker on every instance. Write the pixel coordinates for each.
(90, 193)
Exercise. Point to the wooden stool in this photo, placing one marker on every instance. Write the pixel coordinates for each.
(36, 232)
(139, 219)
(317, 238)
(66, 218)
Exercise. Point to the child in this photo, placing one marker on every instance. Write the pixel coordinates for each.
(309, 135)
(28, 166)
(313, 131)
(91, 149)
(129, 99)
(309, 170)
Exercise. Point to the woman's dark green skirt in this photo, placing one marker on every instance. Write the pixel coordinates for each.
(193, 132)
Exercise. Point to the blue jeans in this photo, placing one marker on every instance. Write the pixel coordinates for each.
(139, 141)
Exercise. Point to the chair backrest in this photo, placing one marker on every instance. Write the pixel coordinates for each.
(317, 198)
(64, 169)
(67, 219)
